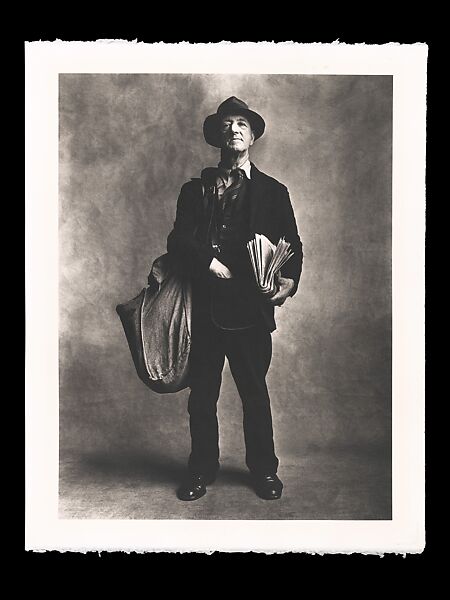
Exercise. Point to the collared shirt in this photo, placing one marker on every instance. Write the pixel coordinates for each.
(224, 180)
(246, 167)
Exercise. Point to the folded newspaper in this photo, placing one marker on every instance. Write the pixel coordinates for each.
(267, 259)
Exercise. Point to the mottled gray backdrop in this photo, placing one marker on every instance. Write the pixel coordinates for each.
(127, 144)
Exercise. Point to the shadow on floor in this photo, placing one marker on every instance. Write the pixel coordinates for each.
(151, 466)
(132, 484)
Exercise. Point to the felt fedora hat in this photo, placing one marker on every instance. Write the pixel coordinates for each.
(231, 106)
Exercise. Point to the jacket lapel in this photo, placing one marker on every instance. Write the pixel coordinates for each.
(258, 201)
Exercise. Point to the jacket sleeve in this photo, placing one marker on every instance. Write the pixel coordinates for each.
(182, 244)
(292, 269)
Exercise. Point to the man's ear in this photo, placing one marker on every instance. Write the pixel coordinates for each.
(253, 139)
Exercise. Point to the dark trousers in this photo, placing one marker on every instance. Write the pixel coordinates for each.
(249, 353)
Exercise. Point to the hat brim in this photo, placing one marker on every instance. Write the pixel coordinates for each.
(211, 126)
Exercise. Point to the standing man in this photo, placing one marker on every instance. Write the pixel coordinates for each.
(216, 216)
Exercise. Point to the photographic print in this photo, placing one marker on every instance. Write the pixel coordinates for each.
(225, 298)
(128, 145)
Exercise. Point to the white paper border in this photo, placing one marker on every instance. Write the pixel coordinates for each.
(44, 531)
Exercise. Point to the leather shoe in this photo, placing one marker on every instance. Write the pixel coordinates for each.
(194, 487)
(268, 487)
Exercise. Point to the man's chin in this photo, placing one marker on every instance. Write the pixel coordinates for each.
(236, 146)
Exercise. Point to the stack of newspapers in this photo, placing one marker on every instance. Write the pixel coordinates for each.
(267, 259)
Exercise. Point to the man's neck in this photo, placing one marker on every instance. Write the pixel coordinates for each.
(234, 160)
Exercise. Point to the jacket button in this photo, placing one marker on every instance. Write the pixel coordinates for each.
(224, 226)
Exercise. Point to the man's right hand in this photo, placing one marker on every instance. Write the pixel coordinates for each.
(219, 270)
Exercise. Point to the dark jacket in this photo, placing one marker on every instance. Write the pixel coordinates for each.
(271, 214)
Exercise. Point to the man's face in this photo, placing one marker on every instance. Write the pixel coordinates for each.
(236, 133)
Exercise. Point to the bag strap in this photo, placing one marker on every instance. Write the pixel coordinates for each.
(203, 192)
(161, 266)
(205, 202)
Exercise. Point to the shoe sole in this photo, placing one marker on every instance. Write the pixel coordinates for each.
(270, 498)
(191, 499)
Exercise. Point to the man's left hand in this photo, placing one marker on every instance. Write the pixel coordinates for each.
(286, 286)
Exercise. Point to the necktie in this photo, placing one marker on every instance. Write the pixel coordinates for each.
(231, 193)
(222, 205)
